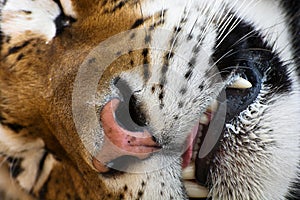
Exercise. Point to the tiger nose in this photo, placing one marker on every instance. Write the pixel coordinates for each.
(119, 141)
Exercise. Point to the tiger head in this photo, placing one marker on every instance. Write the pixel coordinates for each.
(149, 99)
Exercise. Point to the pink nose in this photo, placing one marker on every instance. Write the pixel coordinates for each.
(120, 142)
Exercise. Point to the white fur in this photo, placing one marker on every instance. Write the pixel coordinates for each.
(40, 23)
(68, 8)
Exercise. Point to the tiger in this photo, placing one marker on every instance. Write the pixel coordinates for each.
(149, 99)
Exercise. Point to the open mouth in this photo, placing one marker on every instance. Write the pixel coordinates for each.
(202, 142)
(208, 133)
(195, 164)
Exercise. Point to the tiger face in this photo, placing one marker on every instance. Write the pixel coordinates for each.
(149, 99)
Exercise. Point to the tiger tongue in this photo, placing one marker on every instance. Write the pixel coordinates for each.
(187, 155)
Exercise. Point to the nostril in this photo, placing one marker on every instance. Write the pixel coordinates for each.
(136, 112)
(129, 113)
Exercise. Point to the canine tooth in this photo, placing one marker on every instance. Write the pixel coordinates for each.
(200, 131)
(194, 190)
(240, 83)
(188, 173)
(194, 155)
(213, 106)
(204, 119)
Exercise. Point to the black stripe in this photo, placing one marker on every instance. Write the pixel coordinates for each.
(292, 8)
(146, 64)
(18, 48)
(13, 126)
(137, 23)
(62, 20)
(40, 169)
(1, 40)
(15, 166)
(294, 191)
(254, 54)
(116, 6)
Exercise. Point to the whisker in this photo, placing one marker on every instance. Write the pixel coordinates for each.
(236, 22)
(184, 15)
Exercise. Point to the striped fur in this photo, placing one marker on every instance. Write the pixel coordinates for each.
(190, 50)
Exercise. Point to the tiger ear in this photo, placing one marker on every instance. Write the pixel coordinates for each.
(68, 8)
(31, 19)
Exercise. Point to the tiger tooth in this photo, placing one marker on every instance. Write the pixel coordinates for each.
(213, 106)
(204, 119)
(194, 190)
(240, 83)
(188, 173)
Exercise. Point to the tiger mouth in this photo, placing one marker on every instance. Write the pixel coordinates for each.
(119, 142)
(196, 167)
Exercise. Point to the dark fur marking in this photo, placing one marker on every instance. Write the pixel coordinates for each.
(132, 35)
(18, 48)
(201, 87)
(41, 165)
(8, 38)
(246, 55)
(92, 60)
(62, 20)
(196, 49)
(146, 64)
(161, 96)
(119, 6)
(189, 37)
(178, 28)
(131, 62)
(20, 56)
(137, 23)
(118, 53)
(153, 89)
(147, 39)
(192, 62)
(292, 8)
(16, 167)
(140, 193)
(183, 91)
(188, 74)
(143, 183)
(27, 12)
(125, 188)
(145, 52)
(14, 127)
(180, 104)
(169, 55)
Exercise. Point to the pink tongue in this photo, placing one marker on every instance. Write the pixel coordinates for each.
(187, 156)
